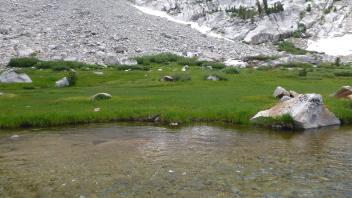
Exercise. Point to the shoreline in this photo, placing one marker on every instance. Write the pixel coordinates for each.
(139, 92)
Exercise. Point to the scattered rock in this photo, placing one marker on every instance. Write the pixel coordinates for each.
(127, 61)
(168, 78)
(185, 68)
(344, 92)
(280, 92)
(96, 110)
(10, 76)
(14, 136)
(235, 63)
(120, 49)
(62, 83)
(101, 96)
(313, 59)
(99, 73)
(111, 59)
(23, 51)
(174, 124)
(71, 58)
(307, 111)
(212, 78)
(4, 31)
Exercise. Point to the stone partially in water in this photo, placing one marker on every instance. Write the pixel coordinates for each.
(307, 111)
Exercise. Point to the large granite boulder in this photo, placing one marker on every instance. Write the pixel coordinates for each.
(344, 92)
(10, 76)
(307, 111)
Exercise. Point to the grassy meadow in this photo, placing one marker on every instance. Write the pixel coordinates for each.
(140, 95)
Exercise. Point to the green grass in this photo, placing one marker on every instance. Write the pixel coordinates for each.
(140, 95)
(291, 48)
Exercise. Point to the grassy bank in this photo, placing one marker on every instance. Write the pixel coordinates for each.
(140, 95)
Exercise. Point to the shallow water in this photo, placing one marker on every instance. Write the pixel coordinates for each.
(195, 161)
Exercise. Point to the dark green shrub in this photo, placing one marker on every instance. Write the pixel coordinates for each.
(72, 77)
(291, 48)
(261, 58)
(181, 77)
(131, 67)
(338, 61)
(231, 70)
(302, 72)
(60, 65)
(297, 64)
(23, 62)
(343, 73)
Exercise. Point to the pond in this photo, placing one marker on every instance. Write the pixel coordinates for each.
(193, 161)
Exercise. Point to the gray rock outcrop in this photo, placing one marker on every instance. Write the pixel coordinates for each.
(316, 18)
(307, 111)
(11, 76)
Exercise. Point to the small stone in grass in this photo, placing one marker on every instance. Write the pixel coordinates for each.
(101, 96)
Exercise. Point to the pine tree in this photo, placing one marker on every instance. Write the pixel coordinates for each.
(260, 9)
(266, 7)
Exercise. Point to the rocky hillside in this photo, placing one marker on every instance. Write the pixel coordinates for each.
(100, 32)
(258, 21)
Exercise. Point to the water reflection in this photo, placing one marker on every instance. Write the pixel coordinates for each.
(196, 161)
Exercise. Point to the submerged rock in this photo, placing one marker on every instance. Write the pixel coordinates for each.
(307, 111)
(10, 76)
(344, 92)
(62, 82)
(101, 96)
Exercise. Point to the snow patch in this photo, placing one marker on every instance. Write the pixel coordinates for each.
(201, 28)
(335, 46)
